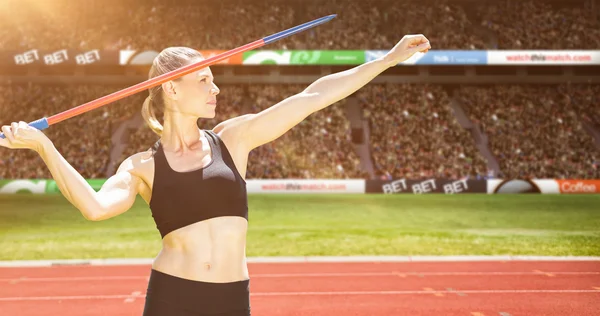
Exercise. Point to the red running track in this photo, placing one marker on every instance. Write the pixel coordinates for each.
(502, 288)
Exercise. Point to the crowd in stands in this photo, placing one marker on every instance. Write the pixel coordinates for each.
(360, 24)
(414, 133)
(584, 100)
(534, 24)
(534, 131)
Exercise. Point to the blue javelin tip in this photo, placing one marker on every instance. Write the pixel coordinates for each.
(283, 34)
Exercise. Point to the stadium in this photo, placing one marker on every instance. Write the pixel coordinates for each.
(462, 180)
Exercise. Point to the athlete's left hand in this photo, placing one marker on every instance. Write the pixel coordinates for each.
(19, 135)
(406, 48)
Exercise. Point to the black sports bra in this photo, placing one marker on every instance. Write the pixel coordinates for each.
(183, 198)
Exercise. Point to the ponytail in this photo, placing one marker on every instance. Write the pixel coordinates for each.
(150, 117)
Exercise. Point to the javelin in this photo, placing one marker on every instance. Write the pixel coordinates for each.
(44, 123)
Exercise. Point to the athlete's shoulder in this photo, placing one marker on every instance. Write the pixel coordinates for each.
(232, 132)
(232, 124)
(138, 161)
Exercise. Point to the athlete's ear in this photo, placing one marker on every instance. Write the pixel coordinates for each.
(170, 90)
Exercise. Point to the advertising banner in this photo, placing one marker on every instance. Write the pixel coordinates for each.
(253, 186)
(438, 57)
(23, 186)
(357, 57)
(543, 186)
(304, 57)
(305, 186)
(426, 186)
(307, 57)
(39, 186)
(59, 57)
(578, 186)
(544, 57)
(410, 186)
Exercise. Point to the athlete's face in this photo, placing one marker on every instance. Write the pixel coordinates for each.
(194, 94)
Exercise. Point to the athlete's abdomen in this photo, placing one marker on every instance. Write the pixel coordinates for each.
(212, 250)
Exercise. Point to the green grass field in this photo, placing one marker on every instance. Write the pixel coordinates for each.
(48, 227)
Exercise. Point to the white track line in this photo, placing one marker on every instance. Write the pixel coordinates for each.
(95, 297)
(66, 279)
(132, 297)
(302, 275)
(422, 292)
(341, 259)
(287, 275)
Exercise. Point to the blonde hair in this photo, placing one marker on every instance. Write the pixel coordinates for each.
(169, 59)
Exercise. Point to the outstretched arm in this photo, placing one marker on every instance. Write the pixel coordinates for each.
(270, 124)
(117, 194)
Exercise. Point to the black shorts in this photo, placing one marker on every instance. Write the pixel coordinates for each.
(168, 295)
